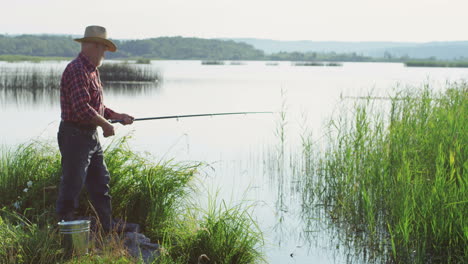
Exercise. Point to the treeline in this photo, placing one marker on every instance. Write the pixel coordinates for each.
(318, 56)
(176, 48)
(169, 48)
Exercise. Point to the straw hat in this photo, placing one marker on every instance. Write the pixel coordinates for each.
(97, 34)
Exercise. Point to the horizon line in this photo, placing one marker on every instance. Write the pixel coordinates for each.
(234, 38)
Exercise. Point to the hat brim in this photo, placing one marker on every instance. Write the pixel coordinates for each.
(109, 44)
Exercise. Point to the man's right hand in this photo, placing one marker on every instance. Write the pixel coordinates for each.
(108, 130)
(107, 127)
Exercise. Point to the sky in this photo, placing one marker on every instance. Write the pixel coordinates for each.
(315, 20)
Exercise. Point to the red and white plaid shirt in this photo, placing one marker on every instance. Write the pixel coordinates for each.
(81, 97)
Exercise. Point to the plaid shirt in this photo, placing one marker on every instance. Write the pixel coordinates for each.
(81, 97)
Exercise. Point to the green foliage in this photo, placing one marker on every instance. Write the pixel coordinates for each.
(175, 48)
(220, 233)
(28, 176)
(401, 178)
(24, 242)
(145, 192)
(153, 194)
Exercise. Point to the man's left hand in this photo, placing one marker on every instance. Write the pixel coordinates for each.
(126, 119)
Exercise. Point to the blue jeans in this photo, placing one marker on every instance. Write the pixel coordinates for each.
(83, 165)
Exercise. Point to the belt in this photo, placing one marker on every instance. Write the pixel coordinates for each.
(84, 126)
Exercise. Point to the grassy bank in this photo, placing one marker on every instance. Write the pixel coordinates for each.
(155, 195)
(396, 184)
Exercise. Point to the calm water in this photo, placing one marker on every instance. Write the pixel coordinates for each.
(242, 150)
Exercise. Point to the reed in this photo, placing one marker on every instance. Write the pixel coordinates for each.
(220, 233)
(396, 183)
(212, 62)
(431, 63)
(29, 78)
(143, 61)
(35, 78)
(125, 72)
(316, 63)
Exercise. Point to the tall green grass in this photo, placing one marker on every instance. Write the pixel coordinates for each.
(153, 194)
(396, 183)
(220, 233)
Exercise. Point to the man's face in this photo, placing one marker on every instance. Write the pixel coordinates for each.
(100, 50)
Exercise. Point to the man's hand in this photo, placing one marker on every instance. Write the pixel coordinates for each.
(126, 119)
(108, 130)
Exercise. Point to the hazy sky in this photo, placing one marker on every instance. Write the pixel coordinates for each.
(320, 20)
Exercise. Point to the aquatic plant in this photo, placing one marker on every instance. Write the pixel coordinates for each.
(125, 72)
(433, 63)
(29, 78)
(212, 62)
(220, 233)
(395, 184)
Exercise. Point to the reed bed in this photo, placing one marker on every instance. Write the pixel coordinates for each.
(395, 184)
(429, 63)
(143, 61)
(154, 194)
(29, 78)
(220, 233)
(212, 62)
(125, 72)
(316, 63)
(36, 78)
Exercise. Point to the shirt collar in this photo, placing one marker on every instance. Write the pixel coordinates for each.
(86, 62)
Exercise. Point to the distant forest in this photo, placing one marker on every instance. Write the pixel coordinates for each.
(168, 48)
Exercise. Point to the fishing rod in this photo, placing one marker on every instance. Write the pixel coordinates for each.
(195, 115)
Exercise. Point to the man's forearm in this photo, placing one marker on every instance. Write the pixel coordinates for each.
(107, 127)
(100, 121)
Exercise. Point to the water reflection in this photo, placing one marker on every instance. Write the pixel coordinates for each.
(38, 84)
(45, 96)
(132, 88)
(29, 97)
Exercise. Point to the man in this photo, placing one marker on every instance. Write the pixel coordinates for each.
(82, 111)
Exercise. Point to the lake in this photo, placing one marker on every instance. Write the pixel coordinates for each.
(248, 157)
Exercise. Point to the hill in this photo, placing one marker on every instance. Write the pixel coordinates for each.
(180, 48)
(156, 48)
(441, 50)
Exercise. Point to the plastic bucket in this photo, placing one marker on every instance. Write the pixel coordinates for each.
(75, 236)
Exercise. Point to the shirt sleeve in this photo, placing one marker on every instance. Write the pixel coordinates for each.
(80, 97)
(108, 113)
